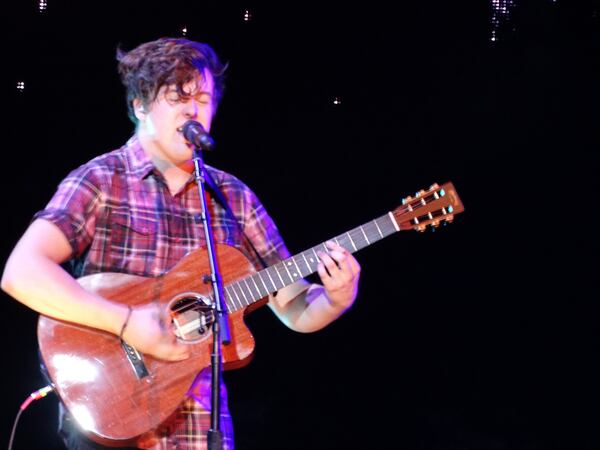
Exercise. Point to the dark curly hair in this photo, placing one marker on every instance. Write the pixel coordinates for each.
(164, 62)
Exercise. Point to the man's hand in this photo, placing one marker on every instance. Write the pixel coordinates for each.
(149, 331)
(339, 272)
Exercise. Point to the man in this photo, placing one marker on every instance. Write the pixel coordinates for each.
(134, 210)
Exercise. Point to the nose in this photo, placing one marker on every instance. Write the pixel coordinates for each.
(191, 109)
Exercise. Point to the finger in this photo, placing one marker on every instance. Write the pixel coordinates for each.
(338, 256)
(338, 253)
(332, 245)
(352, 265)
(329, 282)
(347, 264)
(333, 274)
(322, 271)
(329, 263)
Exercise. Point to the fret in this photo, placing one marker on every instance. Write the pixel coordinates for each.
(287, 270)
(360, 238)
(243, 293)
(342, 241)
(231, 306)
(293, 275)
(393, 219)
(272, 282)
(240, 294)
(284, 272)
(310, 268)
(279, 275)
(302, 264)
(378, 229)
(260, 294)
(250, 290)
(316, 256)
(297, 268)
(365, 235)
(247, 291)
(236, 295)
(387, 225)
(267, 290)
(372, 231)
(352, 242)
(257, 286)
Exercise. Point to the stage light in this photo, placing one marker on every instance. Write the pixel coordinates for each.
(337, 101)
(247, 15)
(20, 86)
(42, 5)
(184, 31)
(500, 15)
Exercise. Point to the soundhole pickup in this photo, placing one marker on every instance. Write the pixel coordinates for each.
(192, 315)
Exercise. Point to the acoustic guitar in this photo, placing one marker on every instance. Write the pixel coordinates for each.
(120, 397)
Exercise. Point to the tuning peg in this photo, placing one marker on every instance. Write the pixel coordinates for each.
(434, 225)
(434, 186)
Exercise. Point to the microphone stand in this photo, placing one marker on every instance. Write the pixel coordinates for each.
(220, 325)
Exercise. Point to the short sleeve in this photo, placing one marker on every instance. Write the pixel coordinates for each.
(73, 208)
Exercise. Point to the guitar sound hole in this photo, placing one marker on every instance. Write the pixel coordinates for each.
(192, 316)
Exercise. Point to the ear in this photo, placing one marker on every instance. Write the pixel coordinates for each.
(138, 109)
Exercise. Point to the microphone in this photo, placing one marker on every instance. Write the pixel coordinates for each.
(196, 135)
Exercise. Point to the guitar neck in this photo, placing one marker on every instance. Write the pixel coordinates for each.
(249, 290)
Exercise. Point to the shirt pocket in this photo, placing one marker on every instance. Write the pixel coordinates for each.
(133, 242)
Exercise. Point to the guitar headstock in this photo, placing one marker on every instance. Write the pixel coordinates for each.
(432, 207)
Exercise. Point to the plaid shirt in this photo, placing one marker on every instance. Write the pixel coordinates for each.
(119, 216)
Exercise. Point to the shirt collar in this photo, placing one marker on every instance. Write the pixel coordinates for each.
(139, 162)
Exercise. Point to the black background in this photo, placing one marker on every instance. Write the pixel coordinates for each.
(482, 335)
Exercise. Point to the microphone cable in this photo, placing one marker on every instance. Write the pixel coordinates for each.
(35, 395)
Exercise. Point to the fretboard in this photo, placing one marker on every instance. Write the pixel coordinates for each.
(246, 291)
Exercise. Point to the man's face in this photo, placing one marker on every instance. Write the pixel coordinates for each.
(160, 125)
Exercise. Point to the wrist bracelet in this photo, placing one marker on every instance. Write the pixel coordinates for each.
(129, 311)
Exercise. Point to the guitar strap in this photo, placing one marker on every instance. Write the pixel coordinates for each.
(220, 197)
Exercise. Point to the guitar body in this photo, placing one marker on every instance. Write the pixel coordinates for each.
(97, 380)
